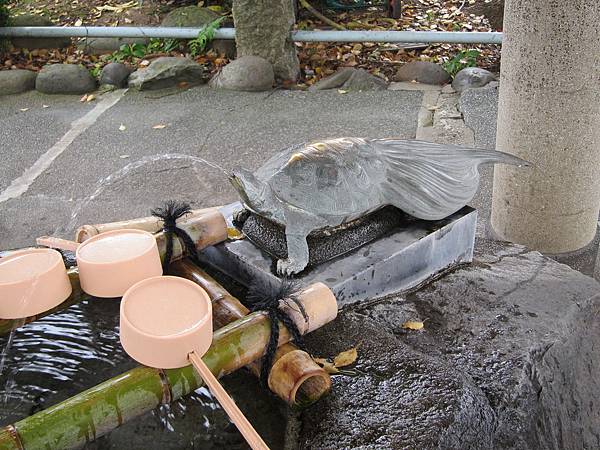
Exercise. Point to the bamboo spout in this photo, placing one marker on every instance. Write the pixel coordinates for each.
(298, 381)
(150, 224)
(98, 410)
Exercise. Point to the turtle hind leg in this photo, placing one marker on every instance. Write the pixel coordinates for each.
(298, 226)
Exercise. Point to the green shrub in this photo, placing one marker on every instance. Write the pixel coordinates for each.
(465, 58)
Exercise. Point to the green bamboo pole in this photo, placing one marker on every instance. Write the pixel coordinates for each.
(98, 410)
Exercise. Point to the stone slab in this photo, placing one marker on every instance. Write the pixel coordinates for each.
(506, 360)
(393, 263)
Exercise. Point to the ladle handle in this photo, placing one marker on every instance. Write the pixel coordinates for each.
(236, 416)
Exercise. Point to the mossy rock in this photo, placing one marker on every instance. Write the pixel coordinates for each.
(31, 20)
(189, 17)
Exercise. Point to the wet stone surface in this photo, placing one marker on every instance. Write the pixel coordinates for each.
(504, 361)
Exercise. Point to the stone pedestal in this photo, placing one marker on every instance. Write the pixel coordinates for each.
(415, 252)
(549, 115)
(262, 28)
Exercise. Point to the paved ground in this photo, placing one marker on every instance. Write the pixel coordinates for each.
(230, 128)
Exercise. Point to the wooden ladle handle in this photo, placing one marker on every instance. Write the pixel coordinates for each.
(236, 416)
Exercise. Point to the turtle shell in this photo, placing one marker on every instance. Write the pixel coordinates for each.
(333, 178)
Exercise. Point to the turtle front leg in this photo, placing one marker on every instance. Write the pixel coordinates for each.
(298, 225)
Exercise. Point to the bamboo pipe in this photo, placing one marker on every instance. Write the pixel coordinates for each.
(207, 229)
(96, 411)
(294, 377)
(150, 224)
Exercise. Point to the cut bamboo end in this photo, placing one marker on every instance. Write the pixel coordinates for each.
(319, 304)
(150, 224)
(295, 374)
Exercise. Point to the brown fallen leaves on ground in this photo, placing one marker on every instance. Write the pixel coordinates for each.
(343, 359)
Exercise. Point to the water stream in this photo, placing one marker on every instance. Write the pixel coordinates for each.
(56, 357)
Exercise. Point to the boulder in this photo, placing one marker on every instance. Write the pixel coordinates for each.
(101, 46)
(189, 17)
(506, 359)
(423, 72)
(64, 79)
(16, 81)
(167, 71)
(493, 10)
(248, 73)
(350, 79)
(263, 29)
(30, 20)
(115, 74)
(472, 77)
(197, 17)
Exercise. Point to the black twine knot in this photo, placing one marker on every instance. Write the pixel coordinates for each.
(169, 213)
(267, 297)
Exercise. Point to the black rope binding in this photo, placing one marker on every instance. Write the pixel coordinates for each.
(263, 296)
(169, 213)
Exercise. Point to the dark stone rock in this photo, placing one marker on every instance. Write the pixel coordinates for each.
(493, 10)
(101, 46)
(472, 77)
(247, 73)
(189, 17)
(515, 337)
(225, 47)
(115, 74)
(65, 79)
(351, 79)
(423, 72)
(166, 72)
(324, 245)
(16, 81)
(30, 20)
(263, 29)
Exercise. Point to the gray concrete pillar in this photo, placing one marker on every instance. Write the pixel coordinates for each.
(262, 28)
(549, 114)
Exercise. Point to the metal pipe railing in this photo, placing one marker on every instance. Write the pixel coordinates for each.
(446, 37)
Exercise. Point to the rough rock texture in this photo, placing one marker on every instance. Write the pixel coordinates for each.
(505, 361)
(422, 72)
(493, 10)
(100, 46)
(166, 72)
(247, 73)
(350, 79)
(64, 79)
(16, 81)
(263, 29)
(115, 74)
(189, 17)
(30, 20)
(472, 77)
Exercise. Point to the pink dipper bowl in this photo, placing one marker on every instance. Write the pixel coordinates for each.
(32, 281)
(112, 262)
(164, 319)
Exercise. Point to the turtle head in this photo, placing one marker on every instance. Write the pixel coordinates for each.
(252, 191)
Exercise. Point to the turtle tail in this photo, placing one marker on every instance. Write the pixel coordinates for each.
(431, 181)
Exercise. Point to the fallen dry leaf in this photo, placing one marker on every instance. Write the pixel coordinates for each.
(24, 109)
(346, 358)
(234, 234)
(45, 106)
(122, 127)
(342, 91)
(90, 98)
(160, 126)
(124, 156)
(328, 366)
(84, 98)
(412, 325)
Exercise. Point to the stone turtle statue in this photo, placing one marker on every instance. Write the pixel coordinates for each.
(327, 183)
